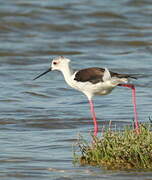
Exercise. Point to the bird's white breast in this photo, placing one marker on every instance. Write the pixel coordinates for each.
(90, 89)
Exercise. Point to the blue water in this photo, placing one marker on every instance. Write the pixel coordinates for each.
(40, 120)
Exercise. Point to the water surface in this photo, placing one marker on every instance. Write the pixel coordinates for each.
(40, 120)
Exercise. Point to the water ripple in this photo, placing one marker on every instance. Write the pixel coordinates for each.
(40, 120)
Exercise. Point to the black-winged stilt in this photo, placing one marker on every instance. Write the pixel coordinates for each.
(93, 81)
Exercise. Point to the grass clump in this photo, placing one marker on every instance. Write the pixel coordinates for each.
(118, 150)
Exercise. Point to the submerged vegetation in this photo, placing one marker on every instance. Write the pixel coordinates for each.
(118, 150)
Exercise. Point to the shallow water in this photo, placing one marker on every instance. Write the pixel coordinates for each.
(40, 120)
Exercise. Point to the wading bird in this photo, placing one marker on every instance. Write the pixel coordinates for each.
(93, 81)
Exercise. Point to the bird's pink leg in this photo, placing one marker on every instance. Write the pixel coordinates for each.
(134, 104)
(94, 117)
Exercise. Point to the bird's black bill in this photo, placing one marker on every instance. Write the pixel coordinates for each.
(42, 74)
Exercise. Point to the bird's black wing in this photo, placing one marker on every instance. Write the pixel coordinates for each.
(95, 75)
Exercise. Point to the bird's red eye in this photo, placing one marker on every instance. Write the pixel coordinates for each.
(54, 63)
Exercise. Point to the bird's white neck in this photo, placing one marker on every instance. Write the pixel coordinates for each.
(67, 73)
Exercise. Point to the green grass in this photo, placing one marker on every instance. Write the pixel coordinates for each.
(117, 150)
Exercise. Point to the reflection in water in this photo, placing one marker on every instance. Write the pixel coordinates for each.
(39, 121)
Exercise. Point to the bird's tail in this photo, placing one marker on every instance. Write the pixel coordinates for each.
(121, 78)
(132, 76)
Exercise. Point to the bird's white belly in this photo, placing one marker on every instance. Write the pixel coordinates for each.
(101, 88)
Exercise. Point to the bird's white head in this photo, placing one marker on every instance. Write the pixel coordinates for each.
(59, 63)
